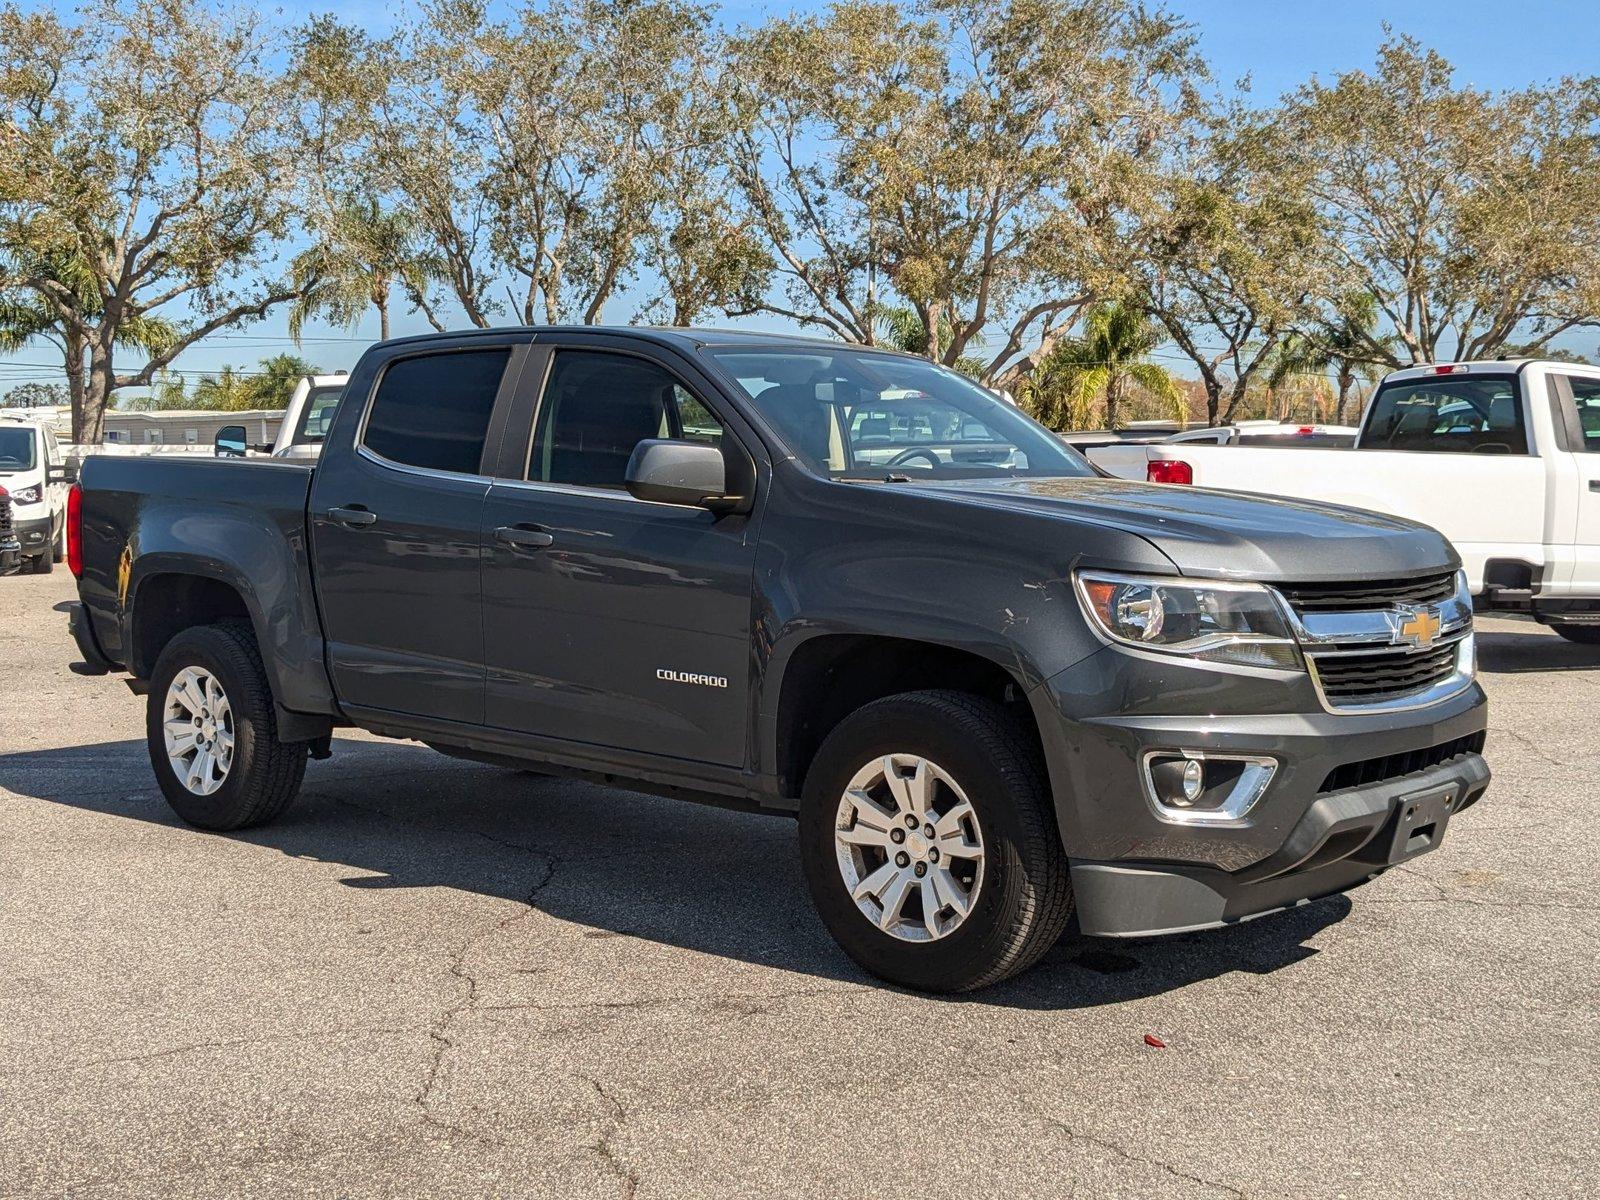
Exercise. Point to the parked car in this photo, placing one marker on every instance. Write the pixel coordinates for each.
(1501, 457)
(994, 687)
(34, 474)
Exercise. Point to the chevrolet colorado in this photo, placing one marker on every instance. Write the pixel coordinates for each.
(806, 578)
(1502, 457)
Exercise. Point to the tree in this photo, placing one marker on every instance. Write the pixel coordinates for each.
(36, 395)
(1230, 257)
(971, 160)
(269, 386)
(1110, 356)
(1343, 347)
(145, 171)
(361, 254)
(1468, 216)
(535, 155)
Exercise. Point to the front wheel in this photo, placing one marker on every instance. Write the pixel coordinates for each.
(930, 844)
(213, 734)
(44, 563)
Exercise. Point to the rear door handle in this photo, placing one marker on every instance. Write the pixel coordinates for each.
(353, 516)
(523, 535)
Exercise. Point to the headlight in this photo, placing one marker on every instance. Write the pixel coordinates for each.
(27, 495)
(1238, 623)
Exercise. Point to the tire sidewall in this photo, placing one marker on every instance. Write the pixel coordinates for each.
(208, 649)
(905, 727)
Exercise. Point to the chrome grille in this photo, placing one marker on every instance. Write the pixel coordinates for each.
(1371, 676)
(1368, 597)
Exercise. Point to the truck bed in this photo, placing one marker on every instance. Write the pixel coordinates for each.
(1489, 505)
(241, 521)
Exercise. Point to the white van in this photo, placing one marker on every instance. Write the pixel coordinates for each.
(33, 473)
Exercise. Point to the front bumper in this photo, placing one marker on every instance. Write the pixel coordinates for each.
(10, 554)
(36, 535)
(1344, 839)
(1309, 835)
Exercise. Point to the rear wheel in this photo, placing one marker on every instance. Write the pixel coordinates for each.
(930, 843)
(1584, 635)
(212, 731)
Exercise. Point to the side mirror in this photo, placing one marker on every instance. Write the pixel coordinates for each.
(61, 474)
(674, 472)
(231, 442)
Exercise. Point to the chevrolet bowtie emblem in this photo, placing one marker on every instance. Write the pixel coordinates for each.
(1420, 627)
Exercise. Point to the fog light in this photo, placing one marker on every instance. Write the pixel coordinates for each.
(1193, 781)
(1197, 787)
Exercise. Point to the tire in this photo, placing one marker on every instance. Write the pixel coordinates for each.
(44, 563)
(261, 775)
(58, 548)
(1023, 899)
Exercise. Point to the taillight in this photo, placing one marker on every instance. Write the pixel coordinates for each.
(1169, 470)
(75, 531)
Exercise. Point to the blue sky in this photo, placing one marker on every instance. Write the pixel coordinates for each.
(1494, 45)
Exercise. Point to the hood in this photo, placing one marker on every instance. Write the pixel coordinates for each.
(1226, 534)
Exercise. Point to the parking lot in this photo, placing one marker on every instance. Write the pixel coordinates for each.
(435, 978)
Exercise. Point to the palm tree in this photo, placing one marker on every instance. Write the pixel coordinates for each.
(363, 253)
(1111, 354)
(1343, 346)
(900, 328)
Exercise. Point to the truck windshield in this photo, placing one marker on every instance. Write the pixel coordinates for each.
(855, 414)
(16, 449)
(1466, 414)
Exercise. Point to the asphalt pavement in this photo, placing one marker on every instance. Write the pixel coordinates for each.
(433, 978)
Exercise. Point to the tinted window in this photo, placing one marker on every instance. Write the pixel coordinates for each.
(597, 407)
(433, 411)
(1586, 399)
(1460, 413)
(321, 404)
(859, 415)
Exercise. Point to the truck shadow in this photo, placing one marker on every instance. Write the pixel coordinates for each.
(1532, 648)
(621, 864)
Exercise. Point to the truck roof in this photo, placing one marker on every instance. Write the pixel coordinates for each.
(679, 338)
(1484, 366)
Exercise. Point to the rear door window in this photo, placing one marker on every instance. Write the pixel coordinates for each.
(432, 410)
(597, 407)
(1461, 414)
(321, 404)
(1586, 405)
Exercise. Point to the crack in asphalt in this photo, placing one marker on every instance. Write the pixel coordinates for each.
(193, 1047)
(627, 1177)
(744, 1003)
(1128, 1156)
(1528, 743)
(443, 1043)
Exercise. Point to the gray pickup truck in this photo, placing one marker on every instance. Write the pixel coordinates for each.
(803, 578)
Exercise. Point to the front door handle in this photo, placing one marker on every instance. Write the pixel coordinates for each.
(523, 535)
(352, 516)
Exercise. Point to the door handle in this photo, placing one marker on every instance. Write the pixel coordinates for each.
(1594, 485)
(352, 517)
(523, 535)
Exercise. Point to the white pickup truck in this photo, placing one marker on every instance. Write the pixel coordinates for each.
(1502, 457)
